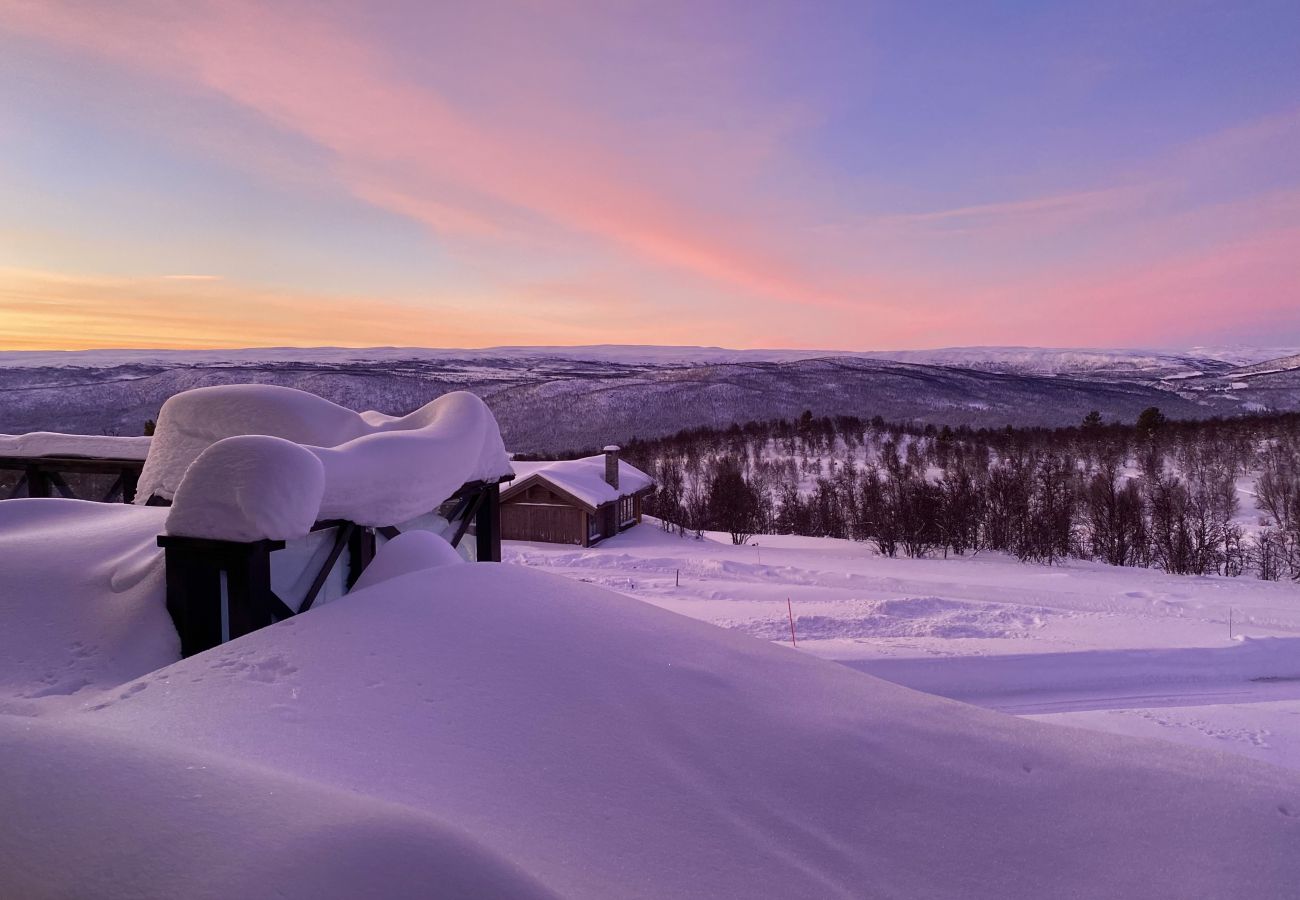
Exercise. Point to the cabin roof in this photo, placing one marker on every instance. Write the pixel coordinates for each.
(582, 479)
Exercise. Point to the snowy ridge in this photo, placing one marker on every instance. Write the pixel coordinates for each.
(1269, 366)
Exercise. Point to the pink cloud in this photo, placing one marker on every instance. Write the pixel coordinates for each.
(1235, 288)
(673, 203)
(405, 147)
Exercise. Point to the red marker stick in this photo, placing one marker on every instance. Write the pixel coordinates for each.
(790, 610)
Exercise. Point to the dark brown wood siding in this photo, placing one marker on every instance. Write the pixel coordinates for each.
(524, 521)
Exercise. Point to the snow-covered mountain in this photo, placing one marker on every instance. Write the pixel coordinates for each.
(1032, 360)
(1269, 366)
(555, 398)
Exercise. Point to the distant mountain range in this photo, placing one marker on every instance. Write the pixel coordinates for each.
(554, 398)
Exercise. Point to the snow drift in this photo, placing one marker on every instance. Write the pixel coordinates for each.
(378, 469)
(495, 731)
(81, 599)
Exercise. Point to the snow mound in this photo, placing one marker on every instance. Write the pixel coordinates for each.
(523, 723)
(247, 488)
(378, 469)
(411, 551)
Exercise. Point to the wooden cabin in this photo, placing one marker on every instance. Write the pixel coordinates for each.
(573, 501)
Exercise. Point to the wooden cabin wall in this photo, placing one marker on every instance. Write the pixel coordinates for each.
(543, 522)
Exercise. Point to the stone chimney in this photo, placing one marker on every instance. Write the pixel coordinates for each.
(611, 465)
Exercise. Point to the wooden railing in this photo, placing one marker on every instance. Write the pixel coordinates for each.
(220, 590)
(75, 477)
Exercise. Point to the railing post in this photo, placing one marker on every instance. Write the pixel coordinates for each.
(217, 590)
(38, 482)
(487, 525)
(361, 550)
(130, 480)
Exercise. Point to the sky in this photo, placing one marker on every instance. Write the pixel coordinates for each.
(832, 175)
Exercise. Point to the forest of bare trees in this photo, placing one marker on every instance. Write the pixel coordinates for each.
(1154, 493)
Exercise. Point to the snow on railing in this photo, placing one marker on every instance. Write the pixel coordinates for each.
(252, 470)
(377, 469)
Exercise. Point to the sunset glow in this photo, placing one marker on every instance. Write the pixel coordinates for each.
(844, 176)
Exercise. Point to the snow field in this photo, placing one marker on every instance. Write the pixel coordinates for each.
(499, 731)
(1095, 645)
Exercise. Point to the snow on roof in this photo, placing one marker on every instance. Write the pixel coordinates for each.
(585, 478)
(378, 469)
(418, 732)
(48, 443)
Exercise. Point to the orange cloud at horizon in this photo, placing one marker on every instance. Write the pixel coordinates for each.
(52, 311)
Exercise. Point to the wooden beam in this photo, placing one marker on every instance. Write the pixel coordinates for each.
(60, 485)
(361, 550)
(340, 541)
(19, 486)
(114, 491)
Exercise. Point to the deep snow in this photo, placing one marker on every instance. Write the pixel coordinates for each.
(474, 730)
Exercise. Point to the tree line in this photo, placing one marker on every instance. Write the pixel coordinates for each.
(1154, 492)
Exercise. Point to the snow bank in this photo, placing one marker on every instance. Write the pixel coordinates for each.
(527, 724)
(48, 443)
(378, 470)
(585, 478)
(81, 599)
(247, 488)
